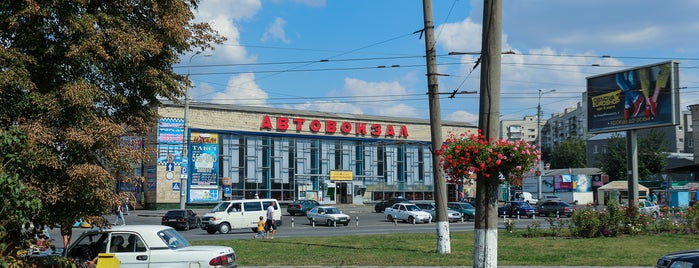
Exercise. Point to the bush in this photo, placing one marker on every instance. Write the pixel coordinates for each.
(586, 223)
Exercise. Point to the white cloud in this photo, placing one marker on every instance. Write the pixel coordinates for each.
(221, 15)
(463, 116)
(275, 31)
(241, 89)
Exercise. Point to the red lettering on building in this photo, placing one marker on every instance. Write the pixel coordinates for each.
(403, 131)
(315, 126)
(390, 132)
(266, 123)
(346, 127)
(361, 129)
(330, 126)
(282, 123)
(376, 130)
(299, 123)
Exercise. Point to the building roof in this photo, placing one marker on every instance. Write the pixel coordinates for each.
(562, 171)
(620, 186)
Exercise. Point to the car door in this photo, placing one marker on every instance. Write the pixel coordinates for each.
(133, 252)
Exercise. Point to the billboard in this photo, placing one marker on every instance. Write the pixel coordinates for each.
(641, 97)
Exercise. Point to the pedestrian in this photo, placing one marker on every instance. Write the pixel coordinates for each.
(270, 226)
(260, 228)
(257, 196)
(654, 198)
(119, 211)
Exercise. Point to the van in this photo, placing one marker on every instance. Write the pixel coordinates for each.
(527, 197)
(239, 214)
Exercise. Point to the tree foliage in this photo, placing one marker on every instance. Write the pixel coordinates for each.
(651, 159)
(569, 154)
(78, 77)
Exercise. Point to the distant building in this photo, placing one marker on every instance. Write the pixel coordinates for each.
(525, 129)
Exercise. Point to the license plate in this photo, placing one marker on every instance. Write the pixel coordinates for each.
(171, 220)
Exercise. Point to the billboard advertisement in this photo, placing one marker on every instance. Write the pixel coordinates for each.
(641, 97)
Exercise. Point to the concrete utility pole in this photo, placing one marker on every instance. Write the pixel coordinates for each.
(632, 165)
(440, 193)
(485, 252)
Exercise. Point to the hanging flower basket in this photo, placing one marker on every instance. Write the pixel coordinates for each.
(469, 153)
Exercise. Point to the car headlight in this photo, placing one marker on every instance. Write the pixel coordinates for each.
(681, 264)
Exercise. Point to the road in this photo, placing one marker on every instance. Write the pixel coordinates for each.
(364, 222)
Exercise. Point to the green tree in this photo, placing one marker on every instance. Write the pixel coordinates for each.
(651, 158)
(77, 78)
(569, 154)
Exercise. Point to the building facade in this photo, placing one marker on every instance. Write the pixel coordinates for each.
(236, 152)
(525, 129)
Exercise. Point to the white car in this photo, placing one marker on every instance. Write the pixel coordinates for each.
(452, 215)
(406, 212)
(327, 215)
(148, 246)
(649, 208)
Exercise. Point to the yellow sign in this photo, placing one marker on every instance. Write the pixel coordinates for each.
(340, 175)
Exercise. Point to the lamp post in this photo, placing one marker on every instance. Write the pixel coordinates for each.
(538, 137)
(185, 139)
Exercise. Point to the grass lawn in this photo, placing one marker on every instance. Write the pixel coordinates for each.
(403, 249)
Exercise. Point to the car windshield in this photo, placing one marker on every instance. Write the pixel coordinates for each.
(332, 211)
(412, 208)
(173, 239)
(221, 207)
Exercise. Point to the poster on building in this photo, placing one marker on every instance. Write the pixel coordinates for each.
(642, 97)
(203, 196)
(582, 183)
(563, 183)
(204, 165)
(170, 139)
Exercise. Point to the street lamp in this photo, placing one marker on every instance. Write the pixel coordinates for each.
(538, 137)
(185, 140)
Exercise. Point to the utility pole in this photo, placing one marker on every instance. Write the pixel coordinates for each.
(440, 193)
(485, 253)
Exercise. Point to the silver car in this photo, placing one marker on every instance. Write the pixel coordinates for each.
(452, 215)
(328, 215)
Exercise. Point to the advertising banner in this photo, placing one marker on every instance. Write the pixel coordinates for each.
(204, 164)
(170, 139)
(635, 98)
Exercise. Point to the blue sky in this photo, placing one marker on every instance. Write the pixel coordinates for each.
(364, 57)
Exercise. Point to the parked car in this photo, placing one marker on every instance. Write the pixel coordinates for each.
(452, 215)
(555, 207)
(181, 219)
(688, 258)
(514, 208)
(406, 212)
(649, 208)
(148, 245)
(301, 207)
(381, 206)
(549, 197)
(328, 215)
(467, 210)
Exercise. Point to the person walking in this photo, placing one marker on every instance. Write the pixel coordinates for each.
(119, 211)
(270, 226)
(260, 228)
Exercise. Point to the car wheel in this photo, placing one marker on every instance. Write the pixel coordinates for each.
(198, 223)
(346, 223)
(411, 219)
(224, 228)
(210, 231)
(330, 222)
(389, 218)
(377, 210)
(186, 226)
(254, 230)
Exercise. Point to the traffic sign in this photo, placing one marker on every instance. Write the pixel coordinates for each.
(176, 186)
(169, 166)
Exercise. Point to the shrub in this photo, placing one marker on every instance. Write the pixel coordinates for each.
(586, 223)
